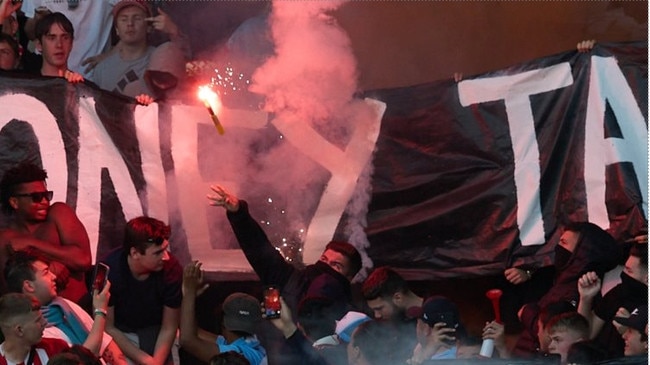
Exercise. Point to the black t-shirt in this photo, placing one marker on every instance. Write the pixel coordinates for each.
(139, 304)
(606, 309)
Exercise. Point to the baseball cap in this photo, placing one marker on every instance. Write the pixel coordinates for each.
(638, 319)
(241, 312)
(350, 321)
(434, 310)
(126, 3)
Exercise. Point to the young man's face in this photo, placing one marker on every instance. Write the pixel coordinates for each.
(633, 344)
(383, 308)
(55, 46)
(8, 59)
(561, 341)
(634, 269)
(31, 327)
(131, 26)
(154, 257)
(24, 205)
(337, 261)
(569, 240)
(44, 284)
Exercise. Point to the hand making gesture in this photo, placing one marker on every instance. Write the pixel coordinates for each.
(222, 198)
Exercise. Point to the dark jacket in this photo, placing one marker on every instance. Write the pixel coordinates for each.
(596, 250)
(318, 279)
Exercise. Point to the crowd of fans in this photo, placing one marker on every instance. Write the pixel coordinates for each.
(48, 314)
(108, 43)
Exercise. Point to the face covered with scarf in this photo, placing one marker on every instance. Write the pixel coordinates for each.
(564, 249)
(634, 277)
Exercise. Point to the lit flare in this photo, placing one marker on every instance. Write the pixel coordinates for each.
(211, 101)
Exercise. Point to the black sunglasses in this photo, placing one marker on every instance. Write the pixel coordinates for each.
(38, 196)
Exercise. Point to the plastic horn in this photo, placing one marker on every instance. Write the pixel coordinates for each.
(494, 295)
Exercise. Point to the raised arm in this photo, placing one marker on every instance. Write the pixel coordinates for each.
(100, 305)
(164, 23)
(267, 262)
(588, 287)
(6, 8)
(190, 340)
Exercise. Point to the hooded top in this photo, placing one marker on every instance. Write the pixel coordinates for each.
(596, 250)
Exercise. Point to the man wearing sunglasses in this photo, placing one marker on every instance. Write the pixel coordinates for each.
(144, 309)
(53, 230)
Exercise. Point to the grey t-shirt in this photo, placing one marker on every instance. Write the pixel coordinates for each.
(125, 77)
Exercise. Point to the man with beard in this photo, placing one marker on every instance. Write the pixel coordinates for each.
(631, 293)
(388, 296)
(53, 230)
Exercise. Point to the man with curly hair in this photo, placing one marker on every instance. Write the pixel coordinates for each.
(54, 230)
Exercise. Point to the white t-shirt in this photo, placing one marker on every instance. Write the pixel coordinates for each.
(92, 21)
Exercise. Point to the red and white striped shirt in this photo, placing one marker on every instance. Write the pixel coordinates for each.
(45, 349)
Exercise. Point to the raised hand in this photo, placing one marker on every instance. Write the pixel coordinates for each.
(7, 7)
(516, 276)
(589, 285)
(193, 279)
(101, 298)
(72, 77)
(144, 99)
(222, 198)
(163, 23)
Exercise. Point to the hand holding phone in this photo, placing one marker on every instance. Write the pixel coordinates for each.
(272, 304)
(100, 277)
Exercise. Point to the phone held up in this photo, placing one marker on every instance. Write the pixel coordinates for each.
(272, 305)
(100, 277)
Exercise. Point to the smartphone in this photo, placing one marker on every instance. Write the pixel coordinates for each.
(272, 305)
(100, 277)
(450, 320)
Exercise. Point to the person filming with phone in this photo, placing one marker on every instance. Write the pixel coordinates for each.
(29, 274)
(438, 329)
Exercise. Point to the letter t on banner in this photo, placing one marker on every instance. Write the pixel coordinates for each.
(515, 90)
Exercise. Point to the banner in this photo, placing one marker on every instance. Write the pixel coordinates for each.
(477, 176)
(466, 178)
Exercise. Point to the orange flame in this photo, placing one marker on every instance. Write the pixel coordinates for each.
(211, 101)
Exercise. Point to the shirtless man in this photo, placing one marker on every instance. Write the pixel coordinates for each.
(53, 230)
